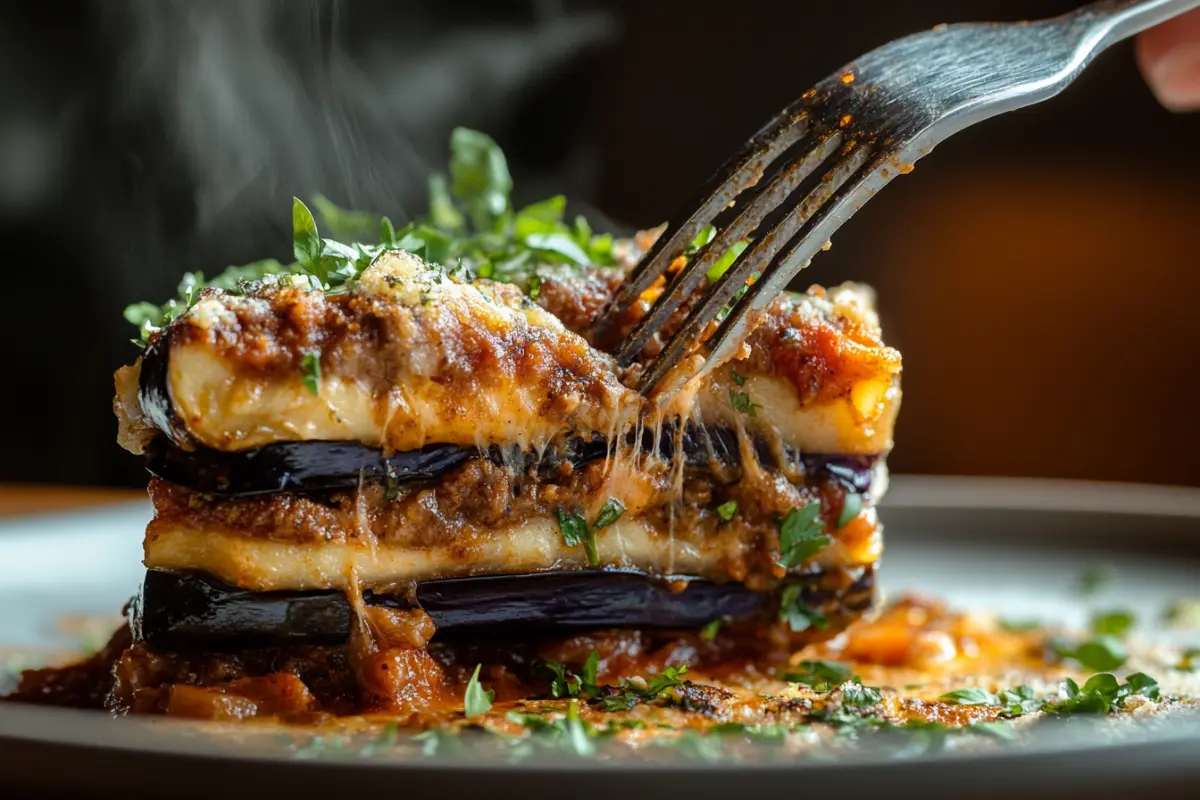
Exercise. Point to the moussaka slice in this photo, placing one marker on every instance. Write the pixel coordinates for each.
(368, 456)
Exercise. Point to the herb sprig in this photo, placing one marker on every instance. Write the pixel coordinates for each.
(470, 224)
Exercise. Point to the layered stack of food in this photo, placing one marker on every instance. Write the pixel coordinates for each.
(414, 441)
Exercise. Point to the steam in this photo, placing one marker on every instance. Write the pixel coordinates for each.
(264, 99)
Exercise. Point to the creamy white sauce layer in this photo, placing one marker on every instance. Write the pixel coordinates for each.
(535, 546)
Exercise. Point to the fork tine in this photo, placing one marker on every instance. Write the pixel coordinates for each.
(684, 283)
(736, 175)
(763, 260)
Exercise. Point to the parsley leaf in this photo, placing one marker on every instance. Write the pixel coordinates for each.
(561, 684)
(573, 527)
(801, 535)
(630, 693)
(851, 507)
(741, 402)
(470, 223)
(726, 510)
(1101, 693)
(706, 235)
(722, 264)
(740, 380)
(709, 631)
(311, 364)
(796, 613)
(971, 696)
(479, 178)
(587, 677)
(855, 694)
(1101, 654)
(477, 701)
(1112, 623)
(609, 513)
(821, 676)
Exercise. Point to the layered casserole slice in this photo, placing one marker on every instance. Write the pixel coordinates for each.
(383, 445)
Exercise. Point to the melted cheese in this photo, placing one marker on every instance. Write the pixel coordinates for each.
(536, 546)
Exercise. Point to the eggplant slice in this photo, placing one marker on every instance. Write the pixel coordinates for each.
(189, 610)
(314, 466)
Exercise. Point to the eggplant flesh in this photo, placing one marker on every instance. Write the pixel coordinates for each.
(311, 466)
(191, 610)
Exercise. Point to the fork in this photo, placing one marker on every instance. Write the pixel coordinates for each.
(862, 126)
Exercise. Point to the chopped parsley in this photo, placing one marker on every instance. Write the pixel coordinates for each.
(1112, 623)
(741, 402)
(722, 264)
(740, 380)
(575, 531)
(477, 701)
(801, 535)
(797, 614)
(726, 510)
(1099, 654)
(568, 684)
(609, 513)
(311, 364)
(709, 631)
(706, 235)
(851, 507)
(821, 676)
(1100, 693)
(470, 223)
(630, 693)
(855, 694)
(971, 696)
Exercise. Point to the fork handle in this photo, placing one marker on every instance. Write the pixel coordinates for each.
(1116, 20)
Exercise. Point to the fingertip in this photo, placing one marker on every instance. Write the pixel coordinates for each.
(1169, 58)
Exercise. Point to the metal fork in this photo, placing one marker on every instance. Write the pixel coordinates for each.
(862, 126)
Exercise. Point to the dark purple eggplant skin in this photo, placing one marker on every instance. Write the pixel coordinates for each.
(191, 610)
(154, 390)
(312, 466)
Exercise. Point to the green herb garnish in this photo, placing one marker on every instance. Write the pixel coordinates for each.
(575, 531)
(821, 676)
(476, 700)
(971, 696)
(709, 631)
(801, 535)
(851, 507)
(1100, 654)
(470, 223)
(311, 364)
(855, 694)
(630, 693)
(794, 611)
(609, 513)
(722, 264)
(1101, 693)
(1112, 623)
(742, 402)
(740, 380)
(726, 510)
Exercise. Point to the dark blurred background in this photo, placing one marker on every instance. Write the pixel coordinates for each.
(1039, 272)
